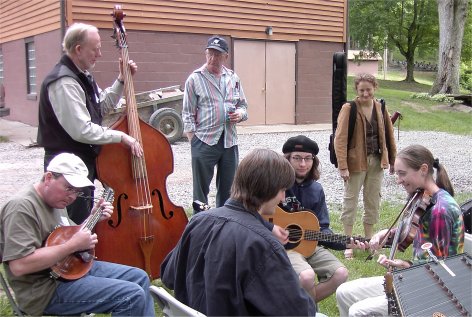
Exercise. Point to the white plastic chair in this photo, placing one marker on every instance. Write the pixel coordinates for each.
(170, 306)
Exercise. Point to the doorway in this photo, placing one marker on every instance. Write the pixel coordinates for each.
(267, 72)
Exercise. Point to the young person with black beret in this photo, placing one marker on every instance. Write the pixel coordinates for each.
(307, 194)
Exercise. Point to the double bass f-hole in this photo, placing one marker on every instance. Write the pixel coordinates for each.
(119, 212)
(161, 204)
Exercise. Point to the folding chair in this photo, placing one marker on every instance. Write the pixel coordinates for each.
(11, 299)
(170, 306)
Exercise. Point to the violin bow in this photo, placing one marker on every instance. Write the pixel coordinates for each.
(387, 234)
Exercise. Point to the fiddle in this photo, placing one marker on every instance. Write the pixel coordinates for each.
(408, 225)
(411, 218)
(404, 235)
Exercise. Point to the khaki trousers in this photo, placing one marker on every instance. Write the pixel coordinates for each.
(362, 297)
(371, 182)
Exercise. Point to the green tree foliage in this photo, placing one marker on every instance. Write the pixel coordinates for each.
(407, 25)
(466, 54)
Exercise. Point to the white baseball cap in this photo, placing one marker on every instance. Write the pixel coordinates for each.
(72, 168)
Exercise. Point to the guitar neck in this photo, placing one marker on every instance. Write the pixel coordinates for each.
(313, 235)
(94, 218)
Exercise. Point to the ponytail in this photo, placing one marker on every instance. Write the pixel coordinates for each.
(442, 178)
(416, 155)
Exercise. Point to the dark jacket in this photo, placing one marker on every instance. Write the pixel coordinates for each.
(51, 135)
(228, 263)
(309, 195)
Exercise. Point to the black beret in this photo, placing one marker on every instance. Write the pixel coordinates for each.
(300, 143)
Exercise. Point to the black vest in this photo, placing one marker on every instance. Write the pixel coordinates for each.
(51, 135)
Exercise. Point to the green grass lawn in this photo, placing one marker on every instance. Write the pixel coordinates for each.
(418, 114)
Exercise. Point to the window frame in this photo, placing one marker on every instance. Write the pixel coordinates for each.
(31, 69)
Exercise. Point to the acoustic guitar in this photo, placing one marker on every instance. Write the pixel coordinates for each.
(304, 231)
(303, 228)
(77, 264)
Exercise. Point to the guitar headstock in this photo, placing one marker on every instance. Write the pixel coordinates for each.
(108, 194)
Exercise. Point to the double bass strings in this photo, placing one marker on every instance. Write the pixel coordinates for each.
(138, 163)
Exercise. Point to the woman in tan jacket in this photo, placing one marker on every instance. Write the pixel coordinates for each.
(361, 162)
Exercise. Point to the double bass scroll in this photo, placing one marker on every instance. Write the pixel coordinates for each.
(146, 225)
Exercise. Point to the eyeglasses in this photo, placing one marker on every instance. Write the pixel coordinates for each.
(215, 53)
(299, 159)
(73, 190)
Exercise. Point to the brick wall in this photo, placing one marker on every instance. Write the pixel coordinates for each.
(314, 77)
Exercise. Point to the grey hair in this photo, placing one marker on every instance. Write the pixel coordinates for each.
(76, 34)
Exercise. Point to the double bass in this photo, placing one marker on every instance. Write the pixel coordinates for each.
(145, 225)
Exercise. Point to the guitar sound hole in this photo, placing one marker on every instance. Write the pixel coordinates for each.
(295, 233)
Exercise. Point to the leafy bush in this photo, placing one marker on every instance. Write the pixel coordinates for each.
(465, 77)
(437, 97)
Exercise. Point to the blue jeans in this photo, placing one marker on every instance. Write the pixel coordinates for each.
(108, 288)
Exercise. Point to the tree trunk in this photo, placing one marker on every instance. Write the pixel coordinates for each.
(452, 18)
(410, 67)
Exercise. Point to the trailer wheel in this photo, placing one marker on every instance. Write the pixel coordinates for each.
(168, 122)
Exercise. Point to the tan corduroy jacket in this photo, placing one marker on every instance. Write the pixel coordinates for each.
(354, 156)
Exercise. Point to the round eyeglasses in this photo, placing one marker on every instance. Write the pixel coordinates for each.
(299, 159)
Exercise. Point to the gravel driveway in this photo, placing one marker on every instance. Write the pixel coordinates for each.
(21, 165)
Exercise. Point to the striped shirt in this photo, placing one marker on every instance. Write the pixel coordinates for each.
(206, 102)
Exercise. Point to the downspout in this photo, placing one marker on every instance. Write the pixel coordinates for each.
(346, 44)
(63, 20)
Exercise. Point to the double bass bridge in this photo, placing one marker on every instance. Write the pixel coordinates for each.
(141, 208)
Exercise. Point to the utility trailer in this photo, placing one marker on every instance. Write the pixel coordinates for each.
(161, 108)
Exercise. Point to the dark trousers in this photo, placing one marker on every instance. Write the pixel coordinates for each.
(204, 160)
(80, 209)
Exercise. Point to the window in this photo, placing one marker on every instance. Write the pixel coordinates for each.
(2, 90)
(1, 66)
(30, 67)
